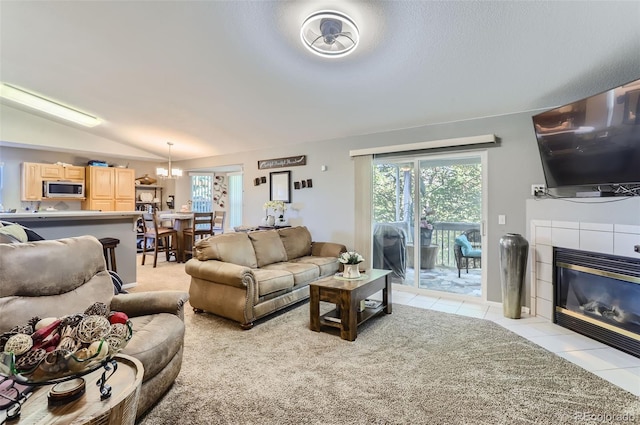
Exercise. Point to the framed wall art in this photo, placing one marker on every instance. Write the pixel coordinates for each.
(280, 186)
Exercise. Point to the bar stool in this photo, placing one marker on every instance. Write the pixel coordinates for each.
(109, 250)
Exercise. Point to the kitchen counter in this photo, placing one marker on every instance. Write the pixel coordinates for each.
(65, 215)
(65, 224)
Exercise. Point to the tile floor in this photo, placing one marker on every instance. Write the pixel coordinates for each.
(615, 366)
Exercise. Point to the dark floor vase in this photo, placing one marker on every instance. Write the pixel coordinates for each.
(513, 263)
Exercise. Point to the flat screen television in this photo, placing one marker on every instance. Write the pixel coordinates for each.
(594, 141)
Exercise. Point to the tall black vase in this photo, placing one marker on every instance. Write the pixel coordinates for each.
(514, 250)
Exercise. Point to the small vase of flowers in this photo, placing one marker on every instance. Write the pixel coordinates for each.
(351, 261)
(278, 208)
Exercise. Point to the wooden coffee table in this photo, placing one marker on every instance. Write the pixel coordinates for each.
(118, 409)
(346, 295)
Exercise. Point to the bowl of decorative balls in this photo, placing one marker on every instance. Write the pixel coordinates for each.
(52, 349)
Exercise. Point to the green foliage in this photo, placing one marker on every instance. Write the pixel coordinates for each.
(448, 193)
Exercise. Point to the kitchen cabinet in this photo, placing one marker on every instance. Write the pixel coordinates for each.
(31, 182)
(72, 172)
(125, 189)
(109, 189)
(61, 172)
(33, 174)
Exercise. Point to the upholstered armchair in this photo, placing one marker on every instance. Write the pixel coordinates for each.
(54, 278)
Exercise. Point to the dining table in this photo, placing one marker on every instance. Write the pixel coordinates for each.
(180, 221)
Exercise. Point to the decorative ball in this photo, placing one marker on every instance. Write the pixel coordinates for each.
(18, 344)
(97, 309)
(30, 359)
(23, 329)
(118, 317)
(93, 328)
(72, 319)
(68, 343)
(116, 343)
(98, 349)
(43, 323)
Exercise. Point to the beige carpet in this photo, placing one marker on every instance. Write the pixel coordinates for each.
(414, 366)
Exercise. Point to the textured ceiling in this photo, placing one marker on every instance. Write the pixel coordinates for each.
(219, 77)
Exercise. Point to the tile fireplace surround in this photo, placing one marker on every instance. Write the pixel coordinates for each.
(588, 225)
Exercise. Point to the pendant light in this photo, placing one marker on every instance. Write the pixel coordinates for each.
(169, 172)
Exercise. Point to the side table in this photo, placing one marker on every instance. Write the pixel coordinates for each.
(118, 409)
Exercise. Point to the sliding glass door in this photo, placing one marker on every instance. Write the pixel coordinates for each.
(424, 207)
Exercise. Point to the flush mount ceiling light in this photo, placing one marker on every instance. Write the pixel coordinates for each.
(42, 104)
(169, 173)
(330, 34)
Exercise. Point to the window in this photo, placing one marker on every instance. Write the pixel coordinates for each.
(235, 200)
(201, 192)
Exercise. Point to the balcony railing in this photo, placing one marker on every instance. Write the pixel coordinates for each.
(444, 235)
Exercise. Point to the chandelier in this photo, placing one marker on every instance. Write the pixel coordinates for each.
(169, 172)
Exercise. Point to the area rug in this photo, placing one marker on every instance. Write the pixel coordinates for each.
(414, 366)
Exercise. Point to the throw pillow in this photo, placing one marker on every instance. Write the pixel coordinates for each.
(16, 231)
(268, 247)
(233, 248)
(466, 247)
(7, 238)
(296, 241)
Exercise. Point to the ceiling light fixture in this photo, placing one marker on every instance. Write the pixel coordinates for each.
(330, 34)
(169, 173)
(40, 103)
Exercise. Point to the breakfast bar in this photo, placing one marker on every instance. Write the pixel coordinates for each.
(64, 224)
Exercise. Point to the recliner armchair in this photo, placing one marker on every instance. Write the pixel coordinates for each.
(54, 278)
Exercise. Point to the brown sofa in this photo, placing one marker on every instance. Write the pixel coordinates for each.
(54, 278)
(246, 276)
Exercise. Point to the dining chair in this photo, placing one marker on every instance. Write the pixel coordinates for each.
(202, 226)
(218, 222)
(153, 231)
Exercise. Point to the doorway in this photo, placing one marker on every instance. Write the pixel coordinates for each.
(423, 208)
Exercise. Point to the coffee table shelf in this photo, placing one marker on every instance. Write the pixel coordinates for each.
(332, 318)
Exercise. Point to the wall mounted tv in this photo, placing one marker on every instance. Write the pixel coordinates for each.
(594, 141)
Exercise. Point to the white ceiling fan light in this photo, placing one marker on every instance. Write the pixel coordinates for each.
(330, 34)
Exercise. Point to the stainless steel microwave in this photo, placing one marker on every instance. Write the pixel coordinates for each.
(62, 189)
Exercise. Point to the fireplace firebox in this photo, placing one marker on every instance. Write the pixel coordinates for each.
(598, 295)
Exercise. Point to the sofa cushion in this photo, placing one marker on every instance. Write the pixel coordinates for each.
(326, 265)
(268, 247)
(302, 273)
(466, 247)
(272, 280)
(233, 248)
(296, 241)
(156, 339)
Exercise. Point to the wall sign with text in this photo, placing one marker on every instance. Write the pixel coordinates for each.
(291, 161)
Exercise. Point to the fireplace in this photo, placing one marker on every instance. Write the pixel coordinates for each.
(598, 295)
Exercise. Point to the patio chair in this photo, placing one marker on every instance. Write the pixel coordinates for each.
(467, 246)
